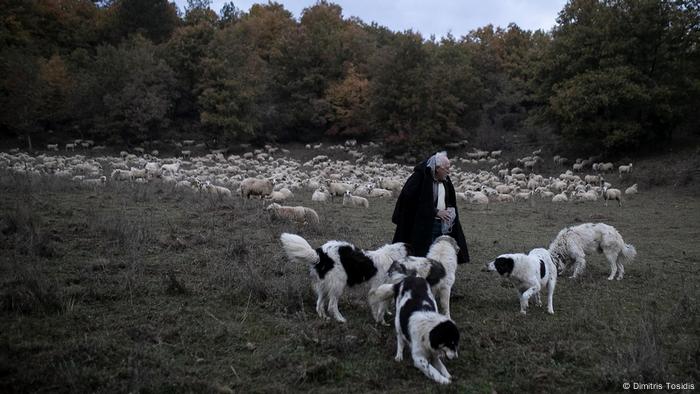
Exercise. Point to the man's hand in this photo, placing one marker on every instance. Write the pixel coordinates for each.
(443, 215)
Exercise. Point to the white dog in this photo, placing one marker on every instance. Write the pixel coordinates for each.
(573, 243)
(438, 268)
(530, 273)
(429, 334)
(337, 264)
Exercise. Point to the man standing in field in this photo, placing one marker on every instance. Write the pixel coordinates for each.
(427, 208)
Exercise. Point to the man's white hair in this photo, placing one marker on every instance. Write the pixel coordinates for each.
(441, 159)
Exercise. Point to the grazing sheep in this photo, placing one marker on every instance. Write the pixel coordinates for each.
(631, 190)
(277, 196)
(354, 201)
(136, 173)
(612, 194)
(52, 147)
(120, 175)
(70, 146)
(95, 182)
(338, 188)
(170, 169)
(320, 195)
(379, 192)
(298, 214)
(186, 154)
(216, 190)
(561, 197)
(625, 169)
(256, 187)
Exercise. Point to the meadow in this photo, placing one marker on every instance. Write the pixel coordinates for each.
(140, 288)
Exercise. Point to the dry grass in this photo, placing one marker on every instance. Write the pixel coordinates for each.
(154, 290)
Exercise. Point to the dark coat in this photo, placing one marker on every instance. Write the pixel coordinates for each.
(414, 213)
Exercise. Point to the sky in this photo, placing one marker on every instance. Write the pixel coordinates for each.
(431, 17)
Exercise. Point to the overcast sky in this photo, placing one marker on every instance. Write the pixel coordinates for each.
(436, 17)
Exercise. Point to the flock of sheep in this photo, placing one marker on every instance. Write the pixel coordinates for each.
(271, 173)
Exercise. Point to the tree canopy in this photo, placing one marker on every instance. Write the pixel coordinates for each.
(612, 74)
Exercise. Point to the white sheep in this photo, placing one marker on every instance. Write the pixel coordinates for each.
(298, 214)
(320, 195)
(277, 196)
(136, 173)
(625, 169)
(338, 188)
(170, 169)
(256, 187)
(612, 194)
(379, 192)
(216, 189)
(52, 147)
(561, 197)
(120, 175)
(354, 201)
(631, 190)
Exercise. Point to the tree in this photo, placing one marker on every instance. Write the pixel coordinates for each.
(154, 19)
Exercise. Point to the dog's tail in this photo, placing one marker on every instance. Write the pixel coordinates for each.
(628, 254)
(298, 250)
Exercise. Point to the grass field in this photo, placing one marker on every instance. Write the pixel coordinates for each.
(138, 288)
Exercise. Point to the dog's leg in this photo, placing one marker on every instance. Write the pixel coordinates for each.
(551, 284)
(333, 308)
(445, 301)
(437, 363)
(620, 269)
(525, 297)
(422, 363)
(613, 265)
(399, 346)
(538, 300)
(579, 266)
(320, 301)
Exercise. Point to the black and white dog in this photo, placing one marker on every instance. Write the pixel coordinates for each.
(337, 264)
(429, 334)
(530, 273)
(438, 268)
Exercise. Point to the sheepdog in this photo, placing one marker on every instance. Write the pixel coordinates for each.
(430, 335)
(530, 273)
(573, 243)
(337, 264)
(438, 268)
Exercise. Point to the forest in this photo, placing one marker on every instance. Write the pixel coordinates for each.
(611, 76)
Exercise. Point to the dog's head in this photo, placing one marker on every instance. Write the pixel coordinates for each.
(448, 240)
(444, 339)
(398, 271)
(503, 265)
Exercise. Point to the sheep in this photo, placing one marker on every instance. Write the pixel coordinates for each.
(52, 147)
(186, 154)
(390, 184)
(120, 175)
(95, 182)
(170, 169)
(338, 188)
(561, 197)
(354, 201)
(320, 195)
(476, 198)
(216, 190)
(298, 214)
(500, 197)
(612, 194)
(379, 192)
(136, 173)
(276, 196)
(70, 146)
(605, 167)
(631, 190)
(255, 187)
(625, 169)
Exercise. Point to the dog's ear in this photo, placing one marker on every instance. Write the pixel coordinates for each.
(504, 265)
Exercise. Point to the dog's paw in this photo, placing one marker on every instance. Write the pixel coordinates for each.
(523, 312)
(398, 358)
(550, 311)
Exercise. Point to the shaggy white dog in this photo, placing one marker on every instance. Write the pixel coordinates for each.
(530, 273)
(573, 243)
(430, 335)
(438, 267)
(337, 264)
